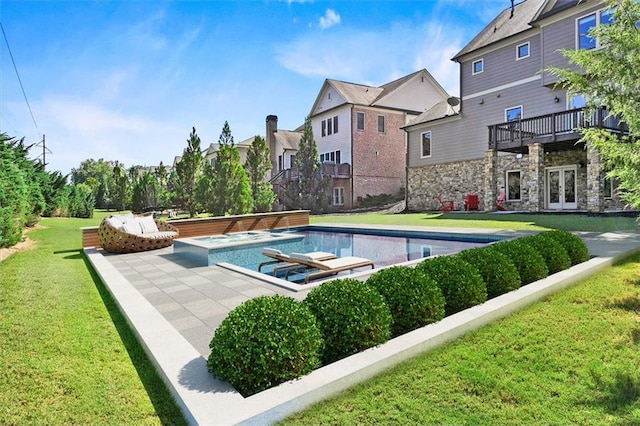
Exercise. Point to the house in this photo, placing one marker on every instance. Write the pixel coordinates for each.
(211, 153)
(514, 134)
(358, 131)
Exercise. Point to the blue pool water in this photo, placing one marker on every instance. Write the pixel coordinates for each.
(383, 247)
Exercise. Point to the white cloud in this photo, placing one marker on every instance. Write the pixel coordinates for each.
(330, 18)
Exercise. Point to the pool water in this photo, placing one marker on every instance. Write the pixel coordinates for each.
(383, 247)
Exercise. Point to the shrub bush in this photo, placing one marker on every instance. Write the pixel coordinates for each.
(461, 284)
(555, 256)
(264, 342)
(498, 271)
(414, 299)
(530, 264)
(351, 315)
(575, 247)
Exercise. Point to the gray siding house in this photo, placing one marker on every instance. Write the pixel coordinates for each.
(512, 135)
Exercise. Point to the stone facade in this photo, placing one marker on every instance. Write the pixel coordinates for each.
(487, 179)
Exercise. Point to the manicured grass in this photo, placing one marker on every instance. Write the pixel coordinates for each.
(515, 221)
(67, 355)
(571, 358)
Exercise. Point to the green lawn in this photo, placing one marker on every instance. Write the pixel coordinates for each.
(67, 355)
(573, 358)
(516, 221)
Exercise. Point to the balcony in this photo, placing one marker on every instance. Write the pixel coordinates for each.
(336, 171)
(560, 130)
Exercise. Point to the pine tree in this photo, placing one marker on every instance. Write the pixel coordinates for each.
(257, 166)
(610, 76)
(187, 174)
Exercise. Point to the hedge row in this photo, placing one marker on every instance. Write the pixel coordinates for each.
(270, 340)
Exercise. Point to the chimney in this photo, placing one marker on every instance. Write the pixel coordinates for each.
(272, 127)
(512, 6)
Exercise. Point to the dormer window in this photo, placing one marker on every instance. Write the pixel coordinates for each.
(523, 51)
(477, 67)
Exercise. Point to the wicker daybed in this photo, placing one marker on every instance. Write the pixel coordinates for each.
(130, 234)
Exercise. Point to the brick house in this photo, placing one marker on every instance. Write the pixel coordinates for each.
(515, 135)
(358, 131)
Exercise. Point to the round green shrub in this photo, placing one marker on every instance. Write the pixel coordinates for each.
(530, 264)
(264, 342)
(555, 256)
(461, 284)
(415, 300)
(351, 315)
(575, 247)
(498, 271)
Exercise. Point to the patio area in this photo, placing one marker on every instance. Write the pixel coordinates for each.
(174, 306)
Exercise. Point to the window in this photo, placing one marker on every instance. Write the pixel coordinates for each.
(381, 127)
(324, 128)
(426, 144)
(477, 67)
(513, 185)
(513, 114)
(279, 162)
(338, 196)
(608, 187)
(522, 51)
(360, 120)
(335, 124)
(333, 156)
(292, 158)
(338, 157)
(329, 126)
(586, 23)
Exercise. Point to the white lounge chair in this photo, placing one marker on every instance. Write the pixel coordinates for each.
(327, 267)
(280, 257)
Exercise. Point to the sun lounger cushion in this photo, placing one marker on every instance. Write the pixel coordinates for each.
(148, 225)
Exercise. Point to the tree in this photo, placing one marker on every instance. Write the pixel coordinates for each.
(187, 174)
(144, 192)
(610, 76)
(224, 188)
(97, 175)
(310, 191)
(120, 187)
(257, 166)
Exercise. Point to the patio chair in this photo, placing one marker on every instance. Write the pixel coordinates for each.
(500, 201)
(131, 234)
(280, 257)
(326, 267)
(445, 205)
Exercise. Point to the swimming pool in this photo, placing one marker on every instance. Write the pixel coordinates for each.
(383, 246)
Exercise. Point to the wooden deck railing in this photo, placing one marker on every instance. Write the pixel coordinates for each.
(328, 169)
(550, 128)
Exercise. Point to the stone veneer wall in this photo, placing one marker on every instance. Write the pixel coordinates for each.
(449, 181)
(453, 181)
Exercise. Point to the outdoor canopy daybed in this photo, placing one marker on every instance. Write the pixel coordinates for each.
(130, 234)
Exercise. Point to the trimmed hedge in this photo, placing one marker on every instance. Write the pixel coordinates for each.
(461, 284)
(555, 256)
(530, 264)
(414, 299)
(264, 342)
(498, 271)
(575, 247)
(351, 315)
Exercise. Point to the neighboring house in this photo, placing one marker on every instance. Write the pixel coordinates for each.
(358, 131)
(283, 145)
(514, 132)
(211, 153)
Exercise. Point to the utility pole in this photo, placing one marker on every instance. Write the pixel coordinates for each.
(44, 151)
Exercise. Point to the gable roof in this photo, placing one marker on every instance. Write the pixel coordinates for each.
(288, 139)
(440, 110)
(361, 94)
(551, 7)
(505, 25)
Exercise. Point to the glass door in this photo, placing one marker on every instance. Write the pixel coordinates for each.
(561, 188)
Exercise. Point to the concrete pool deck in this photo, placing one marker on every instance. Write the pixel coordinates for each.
(174, 306)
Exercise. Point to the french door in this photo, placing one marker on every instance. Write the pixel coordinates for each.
(561, 188)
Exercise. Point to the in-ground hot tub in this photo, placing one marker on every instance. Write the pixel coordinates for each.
(231, 248)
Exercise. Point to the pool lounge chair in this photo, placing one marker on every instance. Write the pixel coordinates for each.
(327, 267)
(280, 257)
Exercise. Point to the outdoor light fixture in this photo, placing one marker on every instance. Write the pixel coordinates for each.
(556, 99)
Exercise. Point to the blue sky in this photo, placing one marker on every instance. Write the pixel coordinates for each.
(127, 80)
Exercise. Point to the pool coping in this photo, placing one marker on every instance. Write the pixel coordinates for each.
(205, 400)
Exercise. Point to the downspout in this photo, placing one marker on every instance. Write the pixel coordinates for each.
(406, 169)
(352, 156)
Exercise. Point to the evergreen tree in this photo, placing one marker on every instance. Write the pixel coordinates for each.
(120, 187)
(610, 76)
(310, 191)
(187, 173)
(257, 166)
(224, 187)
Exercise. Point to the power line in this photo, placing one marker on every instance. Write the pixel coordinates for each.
(19, 80)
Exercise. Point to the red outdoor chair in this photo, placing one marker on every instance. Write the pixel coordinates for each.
(471, 202)
(500, 201)
(445, 205)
